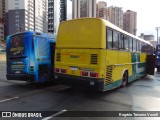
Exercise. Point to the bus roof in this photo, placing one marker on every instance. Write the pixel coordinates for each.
(86, 33)
(48, 35)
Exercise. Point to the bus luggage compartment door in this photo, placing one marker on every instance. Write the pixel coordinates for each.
(151, 59)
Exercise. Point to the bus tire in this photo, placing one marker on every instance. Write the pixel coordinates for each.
(124, 79)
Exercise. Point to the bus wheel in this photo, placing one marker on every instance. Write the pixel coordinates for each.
(124, 79)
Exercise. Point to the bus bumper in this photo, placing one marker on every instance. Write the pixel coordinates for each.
(96, 84)
(23, 77)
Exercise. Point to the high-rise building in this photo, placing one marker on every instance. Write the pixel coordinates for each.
(130, 22)
(2, 17)
(87, 8)
(23, 15)
(75, 9)
(2, 9)
(83, 8)
(50, 16)
(116, 16)
(102, 11)
(57, 12)
(1, 12)
(1, 29)
(63, 10)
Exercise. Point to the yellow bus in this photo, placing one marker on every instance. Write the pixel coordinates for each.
(95, 54)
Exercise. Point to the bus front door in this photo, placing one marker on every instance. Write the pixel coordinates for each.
(150, 65)
(42, 59)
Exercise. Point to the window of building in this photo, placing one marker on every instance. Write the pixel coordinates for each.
(17, 16)
(16, 3)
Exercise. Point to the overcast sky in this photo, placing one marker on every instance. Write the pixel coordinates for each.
(148, 13)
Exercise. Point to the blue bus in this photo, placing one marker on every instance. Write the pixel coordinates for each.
(30, 56)
(157, 53)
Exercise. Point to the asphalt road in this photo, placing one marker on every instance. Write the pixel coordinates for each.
(140, 95)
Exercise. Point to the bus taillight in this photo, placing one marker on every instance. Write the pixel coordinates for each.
(84, 73)
(57, 70)
(93, 74)
(63, 71)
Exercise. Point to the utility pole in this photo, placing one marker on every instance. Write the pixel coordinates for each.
(157, 29)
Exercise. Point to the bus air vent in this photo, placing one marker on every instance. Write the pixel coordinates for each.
(109, 75)
(94, 58)
(58, 58)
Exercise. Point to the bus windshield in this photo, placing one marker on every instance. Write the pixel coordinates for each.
(158, 50)
(16, 46)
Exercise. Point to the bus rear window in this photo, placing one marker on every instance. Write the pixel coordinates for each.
(16, 46)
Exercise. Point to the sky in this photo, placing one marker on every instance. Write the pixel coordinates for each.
(148, 13)
(148, 16)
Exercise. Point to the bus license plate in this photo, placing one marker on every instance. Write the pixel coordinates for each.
(73, 68)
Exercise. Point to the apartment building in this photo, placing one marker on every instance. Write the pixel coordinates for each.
(130, 22)
(24, 15)
(116, 16)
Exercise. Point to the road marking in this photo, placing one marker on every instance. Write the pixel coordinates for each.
(8, 99)
(54, 115)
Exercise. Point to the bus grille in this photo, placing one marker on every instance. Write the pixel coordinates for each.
(109, 75)
(94, 58)
(58, 58)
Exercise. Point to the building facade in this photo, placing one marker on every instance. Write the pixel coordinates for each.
(2, 18)
(57, 12)
(101, 10)
(2, 9)
(116, 16)
(83, 8)
(1, 29)
(26, 15)
(130, 22)
(147, 37)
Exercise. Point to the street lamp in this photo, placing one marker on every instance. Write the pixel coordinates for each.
(157, 28)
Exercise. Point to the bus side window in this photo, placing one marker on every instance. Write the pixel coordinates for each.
(130, 44)
(121, 41)
(115, 39)
(134, 45)
(109, 39)
(142, 47)
(138, 46)
(126, 43)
